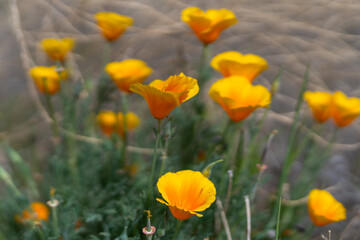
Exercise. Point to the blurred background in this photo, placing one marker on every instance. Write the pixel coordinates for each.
(290, 35)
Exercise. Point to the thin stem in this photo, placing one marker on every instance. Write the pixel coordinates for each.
(248, 217)
(278, 220)
(288, 158)
(223, 218)
(52, 114)
(124, 105)
(40, 232)
(204, 69)
(55, 221)
(157, 141)
(178, 224)
(228, 194)
(165, 148)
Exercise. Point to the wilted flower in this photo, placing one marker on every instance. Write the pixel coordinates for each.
(344, 109)
(110, 122)
(238, 97)
(128, 72)
(38, 211)
(186, 193)
(320, 104)
(47, 79)
(324, 208)
(112, 25)
(208, 25)
(236, 64)
(57, 49)
(164, 96)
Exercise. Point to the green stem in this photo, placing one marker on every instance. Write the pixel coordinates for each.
(157, 141)
(51, 113)
(40, 232)
(204, 69)
(288, 157)
(55, 222)
(165, 148)
(278, 220)
(124, 105)
(5, 176)
(178, 224)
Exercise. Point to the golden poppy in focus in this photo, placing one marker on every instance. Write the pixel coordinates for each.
(128, 72)
(236, 64)
(47, 79)
(164, 96)
(238, 97)
(324, 209)
(344, 110)
(38, 211)
(208, 25)
(186, 193)
(112, 25)
(57, 49)
(320, 104)
(110, 122)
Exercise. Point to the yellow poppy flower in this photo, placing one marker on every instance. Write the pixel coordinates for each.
(186, 193)
(238, 97)
(164, 96)
(236, 64)
(324, 208)
(110, 122)
(38, 211)
(344, 110)
(57, 49)
(128, 72)
(208, 25)
(320, 104)
(47, 79)
(112, 25)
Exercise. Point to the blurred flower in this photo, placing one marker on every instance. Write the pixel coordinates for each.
(128, 72)
(164, 96)
(112, 25)
(320, 104)
(186, 193)
(132, 169)
(47, 79)
(236, 64)
(37, 212)
(57, 49)
(238, 97)
(324, 208)
(110, 122)
(208, 25)
(344, 109)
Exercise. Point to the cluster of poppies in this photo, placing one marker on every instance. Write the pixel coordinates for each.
(189, 192)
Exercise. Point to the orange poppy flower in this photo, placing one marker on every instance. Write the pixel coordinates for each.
(164, 96)
(128, 72)
(324, 208)
(186, 193)
(344, 110)
(320, 104)
(112, 25)
(37, 212)
(236, 64)
(47, 79)
(238, 97)
(57, 49)
(208, 25)
(110, 122)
